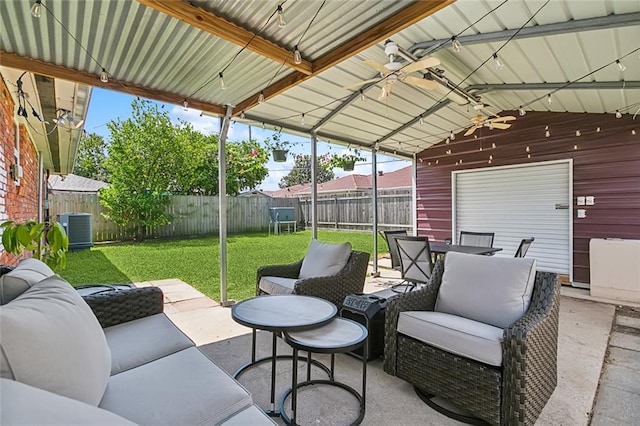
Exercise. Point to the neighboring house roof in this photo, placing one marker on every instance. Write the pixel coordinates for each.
(74, 183)
(398, 179)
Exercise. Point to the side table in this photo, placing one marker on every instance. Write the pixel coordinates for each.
(338, 336)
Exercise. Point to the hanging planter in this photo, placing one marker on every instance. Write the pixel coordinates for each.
(346, 161)
(280, 155)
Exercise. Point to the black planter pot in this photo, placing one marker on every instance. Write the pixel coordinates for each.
(280, 155)
(348, 167)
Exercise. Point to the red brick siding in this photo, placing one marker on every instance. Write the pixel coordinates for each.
(17, 202)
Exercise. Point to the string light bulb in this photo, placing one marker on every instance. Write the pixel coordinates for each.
(242, 115)
(281, 21)
(185, 104)
(575, 147)
(618, 114)
(598, 129)
(620, 65)
(578, 132)
(297, 56)
(261, 97)
(497, 63)
(547, 133)
(104, 77)
(302, 119)
(222, 85)
(549, 101)
(452, 136)
(521, 111)
(527, 149)
(493, 145)
(633, 132)
(36, 9)
(447, 141)
(263, 126)
(455, 44)
(421, 121)
(363, 96)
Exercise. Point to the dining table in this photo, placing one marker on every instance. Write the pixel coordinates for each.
(440, 248)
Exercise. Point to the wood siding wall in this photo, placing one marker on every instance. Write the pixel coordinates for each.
(606, 165)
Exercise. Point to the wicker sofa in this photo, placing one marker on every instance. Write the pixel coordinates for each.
(113, 358)
(503, 374)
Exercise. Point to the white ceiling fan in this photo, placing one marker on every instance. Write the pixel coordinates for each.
(394, 71)
(496, 122)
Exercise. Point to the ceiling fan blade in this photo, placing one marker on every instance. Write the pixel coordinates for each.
(420, 82)
(386, 91)
(502, 119)
(470, 131)
(427, 62)
(501, 126)
(361, 83)
(478, 119)
(376, 66)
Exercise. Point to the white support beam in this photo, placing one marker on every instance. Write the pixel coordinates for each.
(314, 185)
(374, 209)
(222, 197)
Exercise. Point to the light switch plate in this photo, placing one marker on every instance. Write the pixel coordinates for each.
(590, 200)
(582, 213)
(581, 201)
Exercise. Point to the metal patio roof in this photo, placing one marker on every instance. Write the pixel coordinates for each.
(172, 50)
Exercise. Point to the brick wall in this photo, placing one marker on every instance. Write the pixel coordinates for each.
(17, 201)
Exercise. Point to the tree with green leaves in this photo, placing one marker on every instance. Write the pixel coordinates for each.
(92, 153)
(301, 172)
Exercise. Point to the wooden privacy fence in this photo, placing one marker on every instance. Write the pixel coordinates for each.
(198, 215)
(192, 215)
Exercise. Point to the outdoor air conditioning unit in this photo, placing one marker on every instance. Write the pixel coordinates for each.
(79, 228)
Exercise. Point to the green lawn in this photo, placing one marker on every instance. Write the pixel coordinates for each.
(196, 261)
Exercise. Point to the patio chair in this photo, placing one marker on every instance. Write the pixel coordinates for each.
(329, 271)
(390, 237)
(416, 262)
(523, 248)
(468, 339)
(478, 239)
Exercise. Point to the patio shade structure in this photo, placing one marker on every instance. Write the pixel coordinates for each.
(581, 56)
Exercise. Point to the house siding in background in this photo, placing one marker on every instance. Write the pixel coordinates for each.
(18, 200)
(606, 165)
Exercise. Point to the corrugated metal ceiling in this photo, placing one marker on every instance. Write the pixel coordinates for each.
(139, 45)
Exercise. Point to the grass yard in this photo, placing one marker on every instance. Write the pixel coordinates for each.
(196, 261)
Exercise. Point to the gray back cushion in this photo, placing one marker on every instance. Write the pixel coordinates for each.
(493, 290)
(50, 339)
(324, 259)
(27, 273)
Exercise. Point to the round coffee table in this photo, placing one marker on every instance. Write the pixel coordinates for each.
(280, 313)
(340, 335)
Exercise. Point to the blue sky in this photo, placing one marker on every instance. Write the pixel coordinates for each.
(108, 105)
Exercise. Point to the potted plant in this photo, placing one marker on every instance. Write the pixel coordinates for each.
(347, 160)
(48, 240)
(278, 147)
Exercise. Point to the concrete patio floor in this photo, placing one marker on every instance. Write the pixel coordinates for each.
(584, 344)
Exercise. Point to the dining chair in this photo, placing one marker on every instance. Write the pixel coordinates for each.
(390, 237)
(415, 260)
(524, 247)
(477, 239)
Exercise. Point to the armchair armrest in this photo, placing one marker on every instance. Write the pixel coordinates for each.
(335, 288)
(530, 353)
(291, 270)
(423, 299)
(117, 307)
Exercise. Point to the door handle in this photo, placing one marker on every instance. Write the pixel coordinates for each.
(562, 206)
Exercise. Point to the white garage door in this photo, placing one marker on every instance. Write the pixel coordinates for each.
(518, 202)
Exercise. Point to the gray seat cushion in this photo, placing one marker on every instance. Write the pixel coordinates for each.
(25, 405)
(184, 388)
(50, 339)
(324, 259)
(461, 336)
(250, 416)
(27, 273)
(277, 285)
(144, 340)
(489, 289)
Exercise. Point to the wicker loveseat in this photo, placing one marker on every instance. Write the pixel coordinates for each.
(329, 271)
(504, 378)
(112, 359)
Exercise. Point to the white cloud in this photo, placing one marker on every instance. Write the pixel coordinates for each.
(202, 123)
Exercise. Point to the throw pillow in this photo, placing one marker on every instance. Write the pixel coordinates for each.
(26, 274)
(50, 339)
(490, 289)
(324, 259)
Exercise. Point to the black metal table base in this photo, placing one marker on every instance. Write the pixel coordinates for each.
(285, 417)
(429, 400)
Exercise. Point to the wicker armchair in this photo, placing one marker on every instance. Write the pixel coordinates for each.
(117, 307)
(513, 393)
(333, 288)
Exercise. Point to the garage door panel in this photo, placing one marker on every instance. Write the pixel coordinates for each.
(517, 203)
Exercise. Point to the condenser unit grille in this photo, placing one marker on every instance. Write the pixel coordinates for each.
(79, 227)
